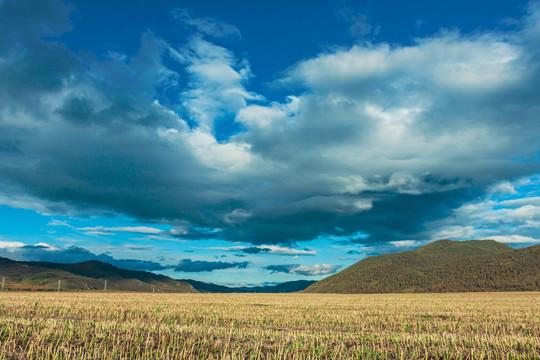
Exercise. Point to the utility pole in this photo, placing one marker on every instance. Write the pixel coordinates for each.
(105, 286)
(3, 280)
(153, 290)
(59, 281)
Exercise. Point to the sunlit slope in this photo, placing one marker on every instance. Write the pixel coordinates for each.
(442, 266)
(88, 275)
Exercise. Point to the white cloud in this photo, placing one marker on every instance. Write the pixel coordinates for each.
(129, 229)
(207, 26)
(340, 204)
(10, 244)
(54, 222)
(456, 232)
(279, 250)
(314, 270)
(15, 246)
(533, 200)
(504, 187)
(230, 157)
(47, 246)
(448, 60)
(237, 216)
(98, 233)
(305, 270)
(510, 213)
(515, 239)
(360, 25)
(217, 82)
(406, 243)
(265, 249)
(323, 269)
(387, 247)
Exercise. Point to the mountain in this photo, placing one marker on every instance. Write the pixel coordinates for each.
(91, 275)
(286, 287)
(441, 266)
(88, 275)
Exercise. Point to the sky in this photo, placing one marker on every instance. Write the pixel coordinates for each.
(257, 142)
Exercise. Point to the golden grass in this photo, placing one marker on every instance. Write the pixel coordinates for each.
(97, 325)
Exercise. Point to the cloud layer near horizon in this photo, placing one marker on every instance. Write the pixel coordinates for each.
(73, 254)
(51, 253)
(376, 139)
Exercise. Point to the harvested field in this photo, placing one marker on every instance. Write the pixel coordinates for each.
(115, 325)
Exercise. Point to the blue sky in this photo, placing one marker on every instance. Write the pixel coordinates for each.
(254, 142)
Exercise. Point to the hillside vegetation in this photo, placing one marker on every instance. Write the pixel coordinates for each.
(88, 275)
(442, 266)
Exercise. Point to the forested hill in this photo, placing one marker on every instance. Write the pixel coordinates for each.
(88, 275)
(441, 266)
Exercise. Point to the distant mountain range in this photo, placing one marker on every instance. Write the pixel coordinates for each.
(286, 287)
(441, 266)
(91, 275)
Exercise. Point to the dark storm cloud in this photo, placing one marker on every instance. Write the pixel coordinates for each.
(392, 217)
(255, 250)
(281, 268)
(73, 254)
(382, 140)
(188, 265)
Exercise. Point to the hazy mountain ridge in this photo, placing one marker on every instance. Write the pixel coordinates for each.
(441, 266)
(286, 287)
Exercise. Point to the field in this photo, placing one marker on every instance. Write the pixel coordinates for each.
(97, 325)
